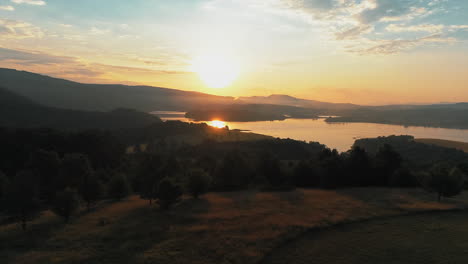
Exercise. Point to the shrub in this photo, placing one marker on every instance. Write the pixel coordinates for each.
(66, 203)
(305, 175)
(91, 189)
(22, 197)
(198, 182)
(168, 193)
(444, 180)
(119, 187)
(4, 182)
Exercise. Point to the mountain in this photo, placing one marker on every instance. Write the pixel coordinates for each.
(20, 112)
(280, 99)
(444, 116)
(66, 94)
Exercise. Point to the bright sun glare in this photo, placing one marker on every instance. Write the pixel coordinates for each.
(217, 124)
(216, 71)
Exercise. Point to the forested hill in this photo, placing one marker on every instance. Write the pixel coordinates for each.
(417, 153)
(21, 112)
(61, 93)
(446, 116)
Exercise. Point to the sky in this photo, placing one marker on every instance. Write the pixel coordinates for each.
(369, 52)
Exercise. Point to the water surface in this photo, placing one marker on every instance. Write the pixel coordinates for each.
(337, 135)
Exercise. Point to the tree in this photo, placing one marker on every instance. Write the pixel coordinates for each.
(198, 182)
(359, 167)
(75, 168)
(91, 190)
(388, 161)
(168, 193)
(330, 169)
(233, 172)
(22, 197)
(46, 165)
(119, 187)
(4, 182)
(66, 203)
(305, 176)
(270, 169)
(148, 176)
(444, 180)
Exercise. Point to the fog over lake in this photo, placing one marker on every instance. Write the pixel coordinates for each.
(335, 135)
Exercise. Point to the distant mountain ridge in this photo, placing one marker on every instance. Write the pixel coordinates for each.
(59, 93)
(66, 94)
(17, 111)
(280, 99)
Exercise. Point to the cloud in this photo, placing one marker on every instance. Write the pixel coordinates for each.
(32, 58)
(74, 68)
(415, 28)
(30, 2)
(366, 24)
(389, 10)
(19, 29)
(98, 31)
(353, 32)
(385, 47)
(7, 8)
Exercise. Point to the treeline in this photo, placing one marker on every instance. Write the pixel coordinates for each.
(65, 171)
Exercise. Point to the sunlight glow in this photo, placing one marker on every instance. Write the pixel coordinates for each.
(216, 71)
(217, 124)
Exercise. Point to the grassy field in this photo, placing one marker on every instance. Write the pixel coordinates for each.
(445, 143)
(428, 238)
(235, 227)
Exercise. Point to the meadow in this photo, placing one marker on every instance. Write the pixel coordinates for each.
(228, 227)
(427, 238)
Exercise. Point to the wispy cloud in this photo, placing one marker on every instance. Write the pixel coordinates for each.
(367, 23)
(19, 29)
(384, 47)
(415, 28)
(7, 8)
(30, 2)
(32, 58)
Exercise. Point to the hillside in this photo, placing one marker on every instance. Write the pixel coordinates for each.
(280, 99)
(232, 227)
(61, 93)
(444, 116)
(418, 153)
(444, 143)
(20, 112)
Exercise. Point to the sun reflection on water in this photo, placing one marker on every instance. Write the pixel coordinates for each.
(217, 124)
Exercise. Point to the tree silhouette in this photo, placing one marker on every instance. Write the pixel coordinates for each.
(4, 184)
(388, 161)
(168, 193)
(198, 182)
(119, 187)
(22, 197)
(66, 203)
(444, 180)
(91, 189)
(46, 165)
(305, 175)
(75, 168)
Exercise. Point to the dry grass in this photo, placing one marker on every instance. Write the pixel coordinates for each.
(445, 143)
(237, 227)
(418, 239)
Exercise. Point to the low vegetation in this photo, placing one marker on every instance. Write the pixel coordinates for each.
(233, 227)
(419, 239)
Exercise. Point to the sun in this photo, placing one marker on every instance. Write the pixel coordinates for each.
(216, 71)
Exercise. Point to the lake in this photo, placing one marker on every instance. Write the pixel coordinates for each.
(335, 135)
